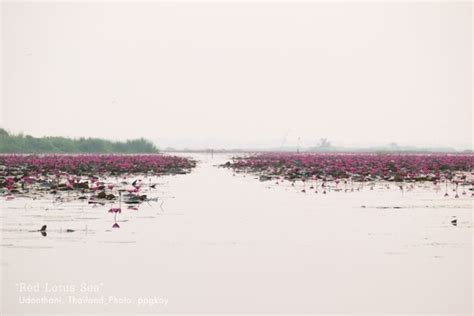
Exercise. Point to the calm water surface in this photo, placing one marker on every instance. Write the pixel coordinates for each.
(215, 242)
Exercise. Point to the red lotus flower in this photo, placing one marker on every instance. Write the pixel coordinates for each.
(356, 167)
(115, 210)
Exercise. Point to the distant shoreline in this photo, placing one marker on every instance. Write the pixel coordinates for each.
(308, 151)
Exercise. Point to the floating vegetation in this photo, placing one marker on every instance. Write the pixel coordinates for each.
(27, 166)
(82, 173)
(99, 179)
(361, 168)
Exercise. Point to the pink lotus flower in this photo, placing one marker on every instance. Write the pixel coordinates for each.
(355, 166)
(115, 210)
(73, 167)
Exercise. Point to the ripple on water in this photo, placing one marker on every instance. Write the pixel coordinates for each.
(30, 247)
(118, 242)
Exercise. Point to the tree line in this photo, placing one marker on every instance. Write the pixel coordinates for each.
(19, 143)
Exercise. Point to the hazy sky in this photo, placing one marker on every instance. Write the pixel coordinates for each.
(209, 74)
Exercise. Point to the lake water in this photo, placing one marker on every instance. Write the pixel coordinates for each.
(225, 243)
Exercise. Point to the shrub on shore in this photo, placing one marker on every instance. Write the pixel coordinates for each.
(11, 143)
